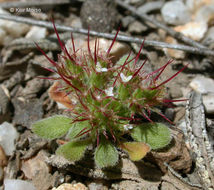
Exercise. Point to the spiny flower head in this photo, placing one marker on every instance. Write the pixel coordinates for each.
(105, 98)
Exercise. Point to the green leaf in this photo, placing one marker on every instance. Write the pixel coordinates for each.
(157, 135)
(123, 91)
(52, 127)
(73, 151)
(78, 128)
(136, 150)
(123, 59)
(106, 154)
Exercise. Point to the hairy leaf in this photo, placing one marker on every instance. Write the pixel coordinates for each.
(52, 127)
(73, 151)
(136, 150)
(157, 135)
(106, 154)
(78, 129)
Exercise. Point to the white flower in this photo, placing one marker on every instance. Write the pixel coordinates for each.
(124, 78)
(100, 69)
(109, 91)
(128, 127)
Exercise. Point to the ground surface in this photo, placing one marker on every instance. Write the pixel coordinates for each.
(24, 98)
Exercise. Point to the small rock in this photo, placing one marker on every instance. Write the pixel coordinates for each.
(2, 36)
(175, 12)
(202, 85)
(32, 166)
(193, 30)
(150, 6)
(76, 23)
(205, 14)
(97, 185)
(133, 185)
(100, 15)
(1, 173)
(117, 51)
(208, 101)
(36, 33)
(194, 5)
(27, 111)
(67, 186)
(4, 104)
(8, 135)
(3, 158)
(15, 29)
(137, 27)
(209, 37)
(16, 184)
(127, 20)
(172, 52)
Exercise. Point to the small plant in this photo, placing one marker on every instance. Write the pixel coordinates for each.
(105, 101)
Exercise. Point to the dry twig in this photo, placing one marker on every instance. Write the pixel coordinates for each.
(49, 25)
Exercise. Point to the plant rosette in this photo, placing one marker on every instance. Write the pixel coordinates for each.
(104, 100)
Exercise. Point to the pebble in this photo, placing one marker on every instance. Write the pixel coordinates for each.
(97, 185)
(150, 6)
(193, 30)
(27, 111)
(209, 37)
(16, 184)
(100, 15)
(3, 158)
(36, 33)
(2, 36)
(137, 27)
(1, 173)
(15, 29)
(11, 29)
(31, 167)
(68, 186)
(194, 5)
(127, 20)
(175, 13)
(8, 135)
(4, 104)
(202, 85)
(177, 54)
(117, 51)
(208, 101)
(205, 14)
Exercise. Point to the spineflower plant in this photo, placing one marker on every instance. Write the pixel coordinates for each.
(106, 102)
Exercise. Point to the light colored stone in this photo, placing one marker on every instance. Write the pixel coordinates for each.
(2, 36)
(68, 186)
(8, 135)
(32, 166)
(3, 158)
(208, 101)
(16, 184)
(194, 5)
(137, 27)
(172, 52)
(15, 29)
(36, 33)
(193, 30)
(175, 12)
(209, 37)
(205, 14)
(117, 51)
(1, 173)
(202, 85)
